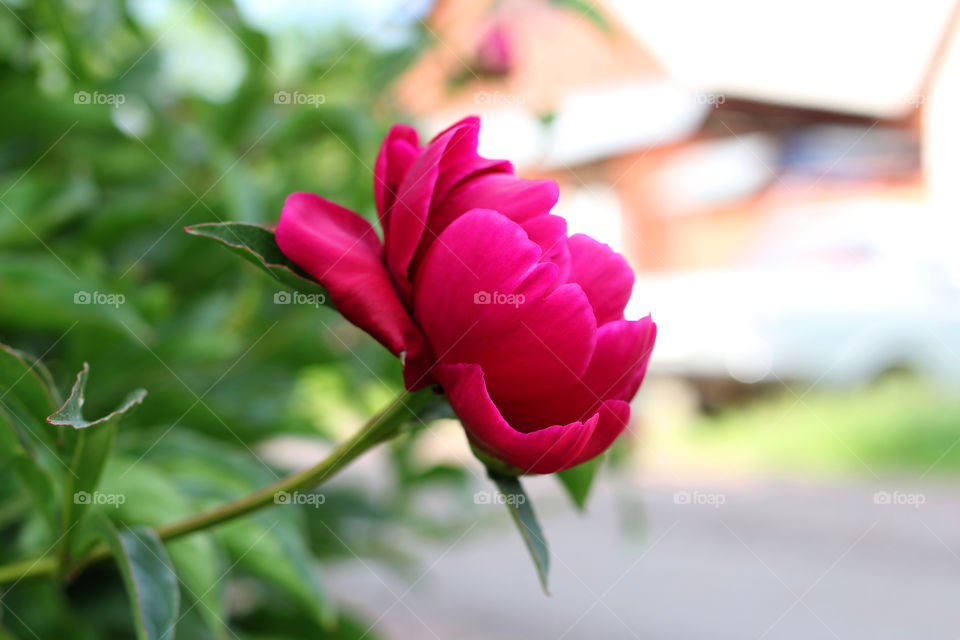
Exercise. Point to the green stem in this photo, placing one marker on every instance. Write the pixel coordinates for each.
(43, 566)
(382, 427)
(66, 509)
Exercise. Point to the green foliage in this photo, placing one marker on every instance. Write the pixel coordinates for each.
(258, 245)
(95, 267)
(521, 510)
(23, 397)
(149, 578)
(578, 480)
(107, 151)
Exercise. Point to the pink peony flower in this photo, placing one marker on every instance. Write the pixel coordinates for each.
(478, 288)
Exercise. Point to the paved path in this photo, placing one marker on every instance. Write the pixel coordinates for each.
(720, 560)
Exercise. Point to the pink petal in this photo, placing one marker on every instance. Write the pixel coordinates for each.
(341, 250)
(614, 416)
(604, 275)
(460, 159)
(615, 371)
(397, 153)
(529, 345)
(410, 211)
(449, 158)
(545, 451)
(550, 232)
(519, 199)
(620, 360)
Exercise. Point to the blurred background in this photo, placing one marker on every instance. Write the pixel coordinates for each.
(782, 177)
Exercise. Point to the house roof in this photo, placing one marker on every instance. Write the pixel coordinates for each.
(855, 56)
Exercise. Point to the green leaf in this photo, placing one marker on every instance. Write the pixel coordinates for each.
(578, 480)
(152, 498)
(521, 510)
(198, 563)
(94, 441)
(148, 576)
(71, 413)
(274, 551)
(268, 545)
(24, 400)
(38, 293)
(22, 376)
(258, 245)
(6, 635)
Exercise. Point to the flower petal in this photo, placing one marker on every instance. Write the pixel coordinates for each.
(460, 159)
(483, 296)
(545, 451)
(449, 158)
(341, 250)
(604, 275)
(616, 369)
(518, 199)
(397, 153)
(550, 232)
(614, 416)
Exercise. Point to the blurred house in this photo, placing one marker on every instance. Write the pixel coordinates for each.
(792, 164)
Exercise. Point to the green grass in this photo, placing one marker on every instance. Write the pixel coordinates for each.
(900, 424)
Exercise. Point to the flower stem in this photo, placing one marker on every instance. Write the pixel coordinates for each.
(380, 428)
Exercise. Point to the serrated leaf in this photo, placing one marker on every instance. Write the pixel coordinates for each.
(148, 575)
(71, 413)
(94, 441)
(521, 510)
(258, 245)
(578, 480)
